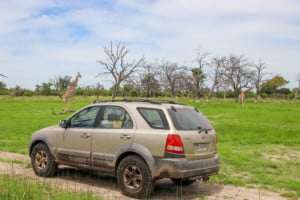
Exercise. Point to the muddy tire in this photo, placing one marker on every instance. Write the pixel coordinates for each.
(42, 161)
(134, 177)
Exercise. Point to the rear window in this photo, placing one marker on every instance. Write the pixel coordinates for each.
(189, 119)
(154, 117)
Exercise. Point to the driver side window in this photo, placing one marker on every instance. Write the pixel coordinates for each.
(86, 118)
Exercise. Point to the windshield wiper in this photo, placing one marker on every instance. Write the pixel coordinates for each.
(202, 129)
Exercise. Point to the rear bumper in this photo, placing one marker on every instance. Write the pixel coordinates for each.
(183, 168)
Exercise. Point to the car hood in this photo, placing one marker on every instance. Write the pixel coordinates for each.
(48, 130)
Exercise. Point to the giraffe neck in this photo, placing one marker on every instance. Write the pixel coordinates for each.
(75, 83)
(247, 90)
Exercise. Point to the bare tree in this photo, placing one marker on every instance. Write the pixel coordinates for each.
(170, 73)
(184, 82)
(217, 74)
(259, 75)
(3, 75)
(117, 66)
(237, 73)
(148, 80)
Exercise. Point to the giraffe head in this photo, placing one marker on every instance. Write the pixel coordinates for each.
(79, 75)
(248, 89)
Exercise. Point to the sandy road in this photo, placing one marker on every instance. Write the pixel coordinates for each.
(106, 187)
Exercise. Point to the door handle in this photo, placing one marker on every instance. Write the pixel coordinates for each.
(125, 136)
(85, 135)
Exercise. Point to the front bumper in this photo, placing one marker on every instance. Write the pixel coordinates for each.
(183, 168)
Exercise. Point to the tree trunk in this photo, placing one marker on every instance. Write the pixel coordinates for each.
(114, 92)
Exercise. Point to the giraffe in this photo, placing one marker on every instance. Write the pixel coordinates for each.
(242, 96)
(70, 92)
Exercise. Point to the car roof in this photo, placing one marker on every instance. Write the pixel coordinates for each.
(143, 103)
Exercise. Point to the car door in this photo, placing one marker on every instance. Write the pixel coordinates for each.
(74, 145)
(115, 130)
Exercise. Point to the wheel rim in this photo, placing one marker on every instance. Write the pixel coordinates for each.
(41, 159)
(132, 177)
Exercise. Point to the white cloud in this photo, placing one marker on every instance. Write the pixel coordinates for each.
(69, 37)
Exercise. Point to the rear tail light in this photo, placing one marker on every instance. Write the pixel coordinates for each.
(174, 144)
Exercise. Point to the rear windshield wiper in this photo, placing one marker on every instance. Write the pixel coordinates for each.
(202, 129)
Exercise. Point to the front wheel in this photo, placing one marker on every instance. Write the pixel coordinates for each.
(42, 161)
(134, 177)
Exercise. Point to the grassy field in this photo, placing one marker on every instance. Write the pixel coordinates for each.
(259, 145)
(18, 187)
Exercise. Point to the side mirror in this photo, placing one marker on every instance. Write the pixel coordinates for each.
(63, 123)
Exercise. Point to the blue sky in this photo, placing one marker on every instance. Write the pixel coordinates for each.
(40, 40)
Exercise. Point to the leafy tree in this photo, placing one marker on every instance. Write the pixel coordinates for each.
(198, 81)
(297, 90)
(284, 91)
(61, 83)
(3, 89)
(128, 89)
(272, 85)
(150, 85)
(17, 91)
(2, 86)
(198, 74)
(44, 89)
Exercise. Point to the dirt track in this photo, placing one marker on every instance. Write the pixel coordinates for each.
(106, 187)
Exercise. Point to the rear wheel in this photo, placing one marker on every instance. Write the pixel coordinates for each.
(134, 177)
(42, 161)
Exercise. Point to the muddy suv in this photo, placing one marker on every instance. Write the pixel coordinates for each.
(138, 142)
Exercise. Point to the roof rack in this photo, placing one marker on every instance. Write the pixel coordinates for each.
(138, 100)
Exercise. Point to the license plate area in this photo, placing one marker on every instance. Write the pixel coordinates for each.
(201, 147)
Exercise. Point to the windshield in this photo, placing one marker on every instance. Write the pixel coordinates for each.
(189, 119)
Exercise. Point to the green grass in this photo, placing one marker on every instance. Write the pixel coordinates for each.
(17, 187)
(259, 145)
(19, 117)
(11, 161)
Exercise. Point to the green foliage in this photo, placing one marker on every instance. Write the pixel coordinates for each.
(2, 86)
(150, 85)
(272, 86)
(61, 83)
(44, 89)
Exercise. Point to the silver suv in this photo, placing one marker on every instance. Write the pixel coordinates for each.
(138, 142)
